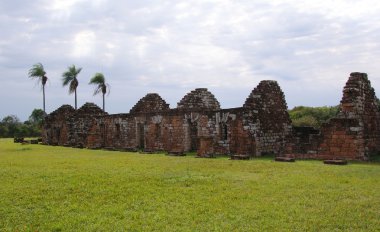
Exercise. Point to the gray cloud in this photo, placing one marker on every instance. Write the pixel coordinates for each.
(172, 47)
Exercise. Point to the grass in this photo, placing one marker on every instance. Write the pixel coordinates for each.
(44, 188)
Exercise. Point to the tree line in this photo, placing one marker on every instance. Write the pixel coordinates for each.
(70, 78)
(312, 116)
(11, 126)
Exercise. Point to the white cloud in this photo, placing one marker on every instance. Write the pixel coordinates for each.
(171, 47)
(84, 44)
(61, 9)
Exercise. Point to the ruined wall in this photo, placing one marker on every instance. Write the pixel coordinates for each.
(152, 102)
(257, 128)
(174, 133)
(199, 99)
(113, 131)
(80, 123)
(242, 141)
(197, 124)
(161, 132)
(69, 127)
(55, 127)
(267, 118)
(359, 102)
(340, 139)
(353, 134)
(261, 126)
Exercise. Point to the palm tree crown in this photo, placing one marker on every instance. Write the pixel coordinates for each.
(38, 71)
(69, 77)
(101, 85)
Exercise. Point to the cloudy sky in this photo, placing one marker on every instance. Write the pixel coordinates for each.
(171, 47)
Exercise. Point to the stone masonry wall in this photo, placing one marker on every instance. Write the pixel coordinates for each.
(55, 128)
(261, 126)
(258, 128)
(199, 99)
(359, 102)
(354, 133)
(266, 117)
(152, 102)
(80, 123)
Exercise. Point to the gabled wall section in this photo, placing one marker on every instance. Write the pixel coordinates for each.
(55, 128)
(261, 126)
(152, 102)
(353, 134)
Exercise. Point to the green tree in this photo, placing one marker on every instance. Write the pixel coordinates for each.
(12, 124)
(69, 77)
(38, 71)
(312, 116)
(101, 85)
(37, 117)
(10, 120)
(3, 130)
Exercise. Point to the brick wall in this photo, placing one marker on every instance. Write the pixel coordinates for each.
(353, 134)
(261, 126)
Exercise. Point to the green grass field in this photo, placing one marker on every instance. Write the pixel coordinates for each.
(45, 188)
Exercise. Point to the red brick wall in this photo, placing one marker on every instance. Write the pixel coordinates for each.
(354, 133)
(261, 126)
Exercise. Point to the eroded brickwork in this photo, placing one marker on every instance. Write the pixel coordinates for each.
(55, 128)
(262, 125)
(353, 134)
(199, 99)
(152, 102)
(267, 117)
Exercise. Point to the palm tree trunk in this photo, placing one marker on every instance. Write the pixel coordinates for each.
(43, 94)
(75, 98)
(104, 109)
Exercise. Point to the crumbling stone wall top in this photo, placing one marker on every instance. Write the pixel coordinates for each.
(152, 102)
(268, 101)
(359, 98)
(90, 109)
(63, 110)
(266, 92)
(354, 133)
(199, 99)
(261, 126)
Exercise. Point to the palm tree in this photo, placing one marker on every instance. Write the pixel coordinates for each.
(101, 85)
(38, 71)
(70, 77)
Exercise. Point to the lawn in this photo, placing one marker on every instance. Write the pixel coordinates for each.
(45, 188)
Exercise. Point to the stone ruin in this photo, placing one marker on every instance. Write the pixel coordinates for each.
(261, 126)
(354, 134)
